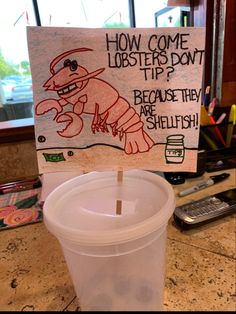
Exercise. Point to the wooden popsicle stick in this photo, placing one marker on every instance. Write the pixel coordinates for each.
(120, 176)
(119, 202)
(118, 207)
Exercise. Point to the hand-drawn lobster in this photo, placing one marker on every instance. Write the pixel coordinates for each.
(88, 94)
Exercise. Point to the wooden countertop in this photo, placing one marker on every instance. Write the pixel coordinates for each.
(200, 264)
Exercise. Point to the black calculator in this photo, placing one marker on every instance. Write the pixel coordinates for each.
(207, 209)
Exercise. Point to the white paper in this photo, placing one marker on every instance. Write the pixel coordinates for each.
(109, 99)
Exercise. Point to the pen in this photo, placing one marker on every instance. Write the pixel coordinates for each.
(211, 106)
(232, 122)
(209, 141)
(204, 118)
(221, 118)
(217, 131)
(200, 186)
(18, 186)
(207, 97)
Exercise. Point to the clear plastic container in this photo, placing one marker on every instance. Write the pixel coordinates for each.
(116, 262)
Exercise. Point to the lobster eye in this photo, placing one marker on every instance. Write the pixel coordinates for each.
(74, 65)
(67, 63)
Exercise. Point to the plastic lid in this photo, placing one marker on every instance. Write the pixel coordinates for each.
(83, 209)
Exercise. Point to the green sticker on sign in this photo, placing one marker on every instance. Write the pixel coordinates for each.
(54, 157)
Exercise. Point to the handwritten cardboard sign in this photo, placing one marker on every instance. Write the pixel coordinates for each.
(109, 99)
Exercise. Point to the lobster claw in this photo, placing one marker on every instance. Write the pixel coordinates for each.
(74, 124)
(47, 105)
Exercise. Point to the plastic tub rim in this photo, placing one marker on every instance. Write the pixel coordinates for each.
(110, 237)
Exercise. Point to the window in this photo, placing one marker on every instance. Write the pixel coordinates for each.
(16, 95)
(172, 17)
(84, 13)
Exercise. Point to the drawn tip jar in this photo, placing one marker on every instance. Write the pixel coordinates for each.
(174, 150)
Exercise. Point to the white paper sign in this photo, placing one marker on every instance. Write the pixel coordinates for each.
(110, 99)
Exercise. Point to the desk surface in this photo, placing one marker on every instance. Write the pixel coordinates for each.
(200, 264)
